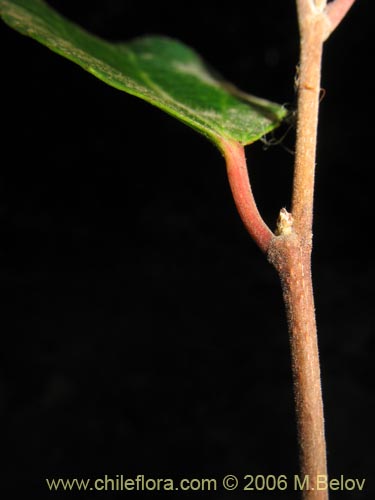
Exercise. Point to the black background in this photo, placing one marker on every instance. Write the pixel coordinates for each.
(143, 331)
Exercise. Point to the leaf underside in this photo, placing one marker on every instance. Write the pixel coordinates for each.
(159, 70)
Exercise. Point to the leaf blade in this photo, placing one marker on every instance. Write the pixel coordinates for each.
(159, 70)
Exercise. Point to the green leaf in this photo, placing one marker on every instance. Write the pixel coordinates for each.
(159, 70)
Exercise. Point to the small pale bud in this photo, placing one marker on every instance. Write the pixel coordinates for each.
(284, 223)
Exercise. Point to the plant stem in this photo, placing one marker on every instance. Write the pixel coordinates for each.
(291, 255)
(311, 46)
(292, 261)
(289, 250)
